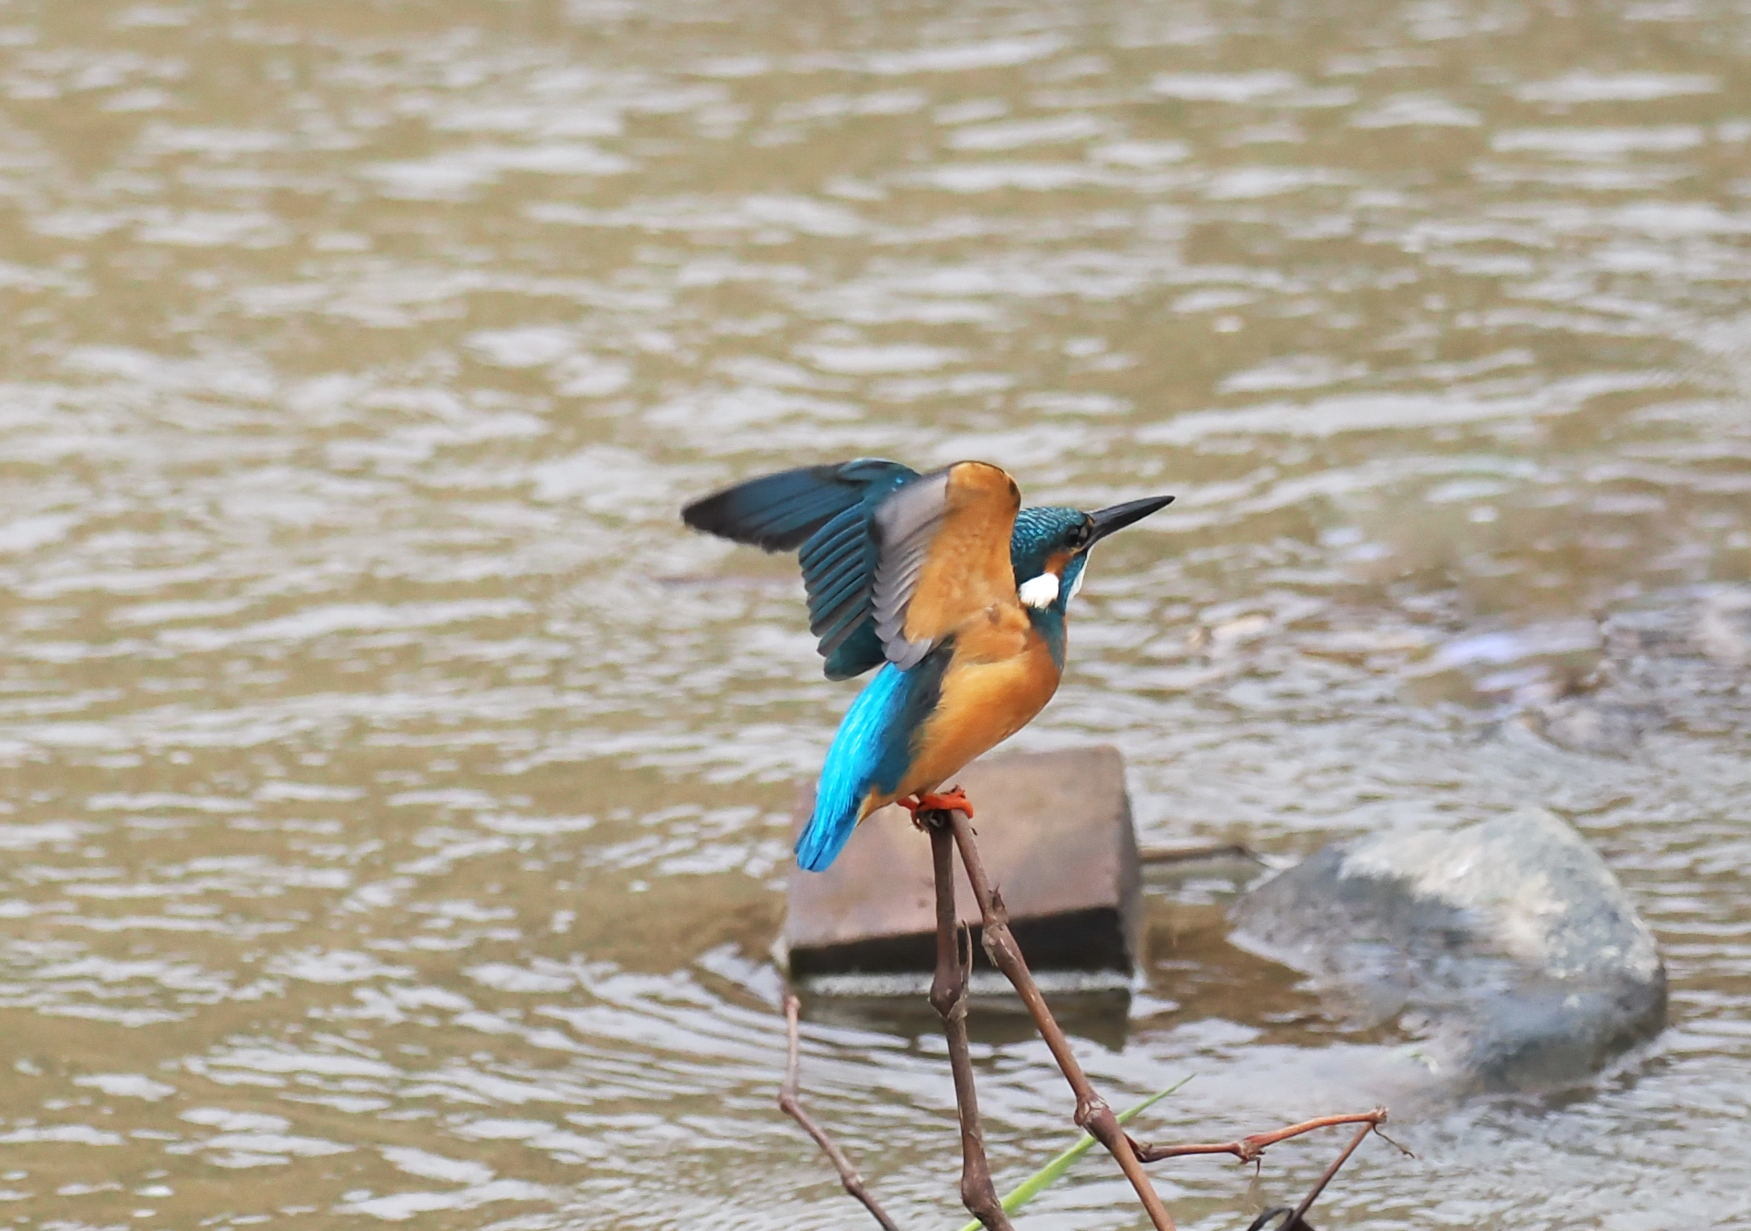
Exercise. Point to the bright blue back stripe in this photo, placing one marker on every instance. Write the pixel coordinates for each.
(859, 748)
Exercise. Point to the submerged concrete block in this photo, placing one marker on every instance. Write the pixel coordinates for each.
(1055, 830)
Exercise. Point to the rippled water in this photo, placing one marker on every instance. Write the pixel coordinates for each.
(394, 821)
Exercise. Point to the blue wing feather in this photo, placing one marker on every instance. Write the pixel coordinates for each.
(780, 511)
(838, 568)
(871, 751)
(840, 537)
(825, 511)
(845, 599)
(860, 651)
(776, 511)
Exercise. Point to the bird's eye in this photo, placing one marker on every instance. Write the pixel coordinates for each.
(1079, 537)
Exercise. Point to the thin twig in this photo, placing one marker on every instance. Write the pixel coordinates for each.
(791, 1105)
(1195, 854)
(1247, 1149)
(1093, 1115)
(948, 996)
(1296, 1219)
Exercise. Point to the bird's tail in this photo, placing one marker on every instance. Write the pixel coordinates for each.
(827, 833)
(854, 762)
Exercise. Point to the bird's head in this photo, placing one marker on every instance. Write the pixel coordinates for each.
(1049, 550)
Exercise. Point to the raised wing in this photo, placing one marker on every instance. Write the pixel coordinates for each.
(942, 556)
(779, 512)
(827, 512)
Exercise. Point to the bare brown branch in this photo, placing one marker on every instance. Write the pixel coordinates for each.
(1248, 1149)
(1297, 1219)
(1093, 1115)
(791, 1105)
(948, 996)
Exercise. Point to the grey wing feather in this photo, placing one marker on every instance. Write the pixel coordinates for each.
(905, 525)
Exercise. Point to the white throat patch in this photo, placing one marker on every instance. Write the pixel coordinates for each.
(1076, 586)
(1041, 591)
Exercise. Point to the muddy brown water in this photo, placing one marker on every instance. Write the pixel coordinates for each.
(394, 796)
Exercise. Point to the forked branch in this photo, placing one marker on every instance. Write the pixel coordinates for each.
(948, 996)
(1296, 1219)
(1093, 1115)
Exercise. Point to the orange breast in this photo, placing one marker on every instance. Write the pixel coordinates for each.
(999, 679)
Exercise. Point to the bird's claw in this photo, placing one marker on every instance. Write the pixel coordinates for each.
(952, 800)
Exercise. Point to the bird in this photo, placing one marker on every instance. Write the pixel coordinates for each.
(947, 589)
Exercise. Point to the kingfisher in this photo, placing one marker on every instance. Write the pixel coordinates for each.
(947, 588)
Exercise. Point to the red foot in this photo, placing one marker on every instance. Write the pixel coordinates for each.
(952, 800)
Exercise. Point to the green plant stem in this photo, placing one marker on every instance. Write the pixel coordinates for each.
(1054, 1170)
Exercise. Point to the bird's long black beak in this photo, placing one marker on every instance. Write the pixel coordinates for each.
(1121, 515)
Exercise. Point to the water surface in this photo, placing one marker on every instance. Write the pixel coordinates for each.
(395, 807)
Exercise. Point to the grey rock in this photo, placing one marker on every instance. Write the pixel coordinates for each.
(1507, 948)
